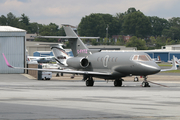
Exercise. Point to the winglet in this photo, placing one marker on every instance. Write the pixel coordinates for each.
(175, 63)
(7, 63)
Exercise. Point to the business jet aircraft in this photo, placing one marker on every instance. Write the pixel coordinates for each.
(106, 65)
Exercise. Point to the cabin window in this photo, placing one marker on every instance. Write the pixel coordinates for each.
(109, 59)
(116, 59)
(112, 59)
(98, 59)
(102, 59)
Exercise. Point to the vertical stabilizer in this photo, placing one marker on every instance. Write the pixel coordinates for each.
(78, 47)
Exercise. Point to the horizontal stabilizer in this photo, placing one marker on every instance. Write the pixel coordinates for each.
(67, 37)
(89, 37)
(58, 37)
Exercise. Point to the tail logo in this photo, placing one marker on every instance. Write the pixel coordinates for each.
(82, 51)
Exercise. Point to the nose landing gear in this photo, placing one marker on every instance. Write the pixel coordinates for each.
(145, 83)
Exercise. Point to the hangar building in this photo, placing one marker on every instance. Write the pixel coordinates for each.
(12, 44)
(43, 53)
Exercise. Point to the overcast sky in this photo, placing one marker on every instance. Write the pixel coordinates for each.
(71, 11)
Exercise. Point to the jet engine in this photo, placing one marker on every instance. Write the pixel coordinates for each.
(78, 62)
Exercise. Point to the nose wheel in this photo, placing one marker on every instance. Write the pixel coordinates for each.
(145, 83)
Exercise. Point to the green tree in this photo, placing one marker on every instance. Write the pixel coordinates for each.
(135, 42)
(50, 30)
(130, 10)
(95, 25)
(158, 24)
(3, 20)
(12, 20)
(120, 19)
(137, 24)
(94, 42)
(153, 40)
(160, 41)
(173, 33)
(174, 30)
(175, 21)
(34, 28)
(24, 19)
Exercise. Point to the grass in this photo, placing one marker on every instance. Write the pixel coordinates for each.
(165, 65)
(172, 71)
(168, 65)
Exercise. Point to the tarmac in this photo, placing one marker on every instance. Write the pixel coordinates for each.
(22, 97)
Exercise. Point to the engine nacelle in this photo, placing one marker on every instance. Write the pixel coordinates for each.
(78, 62)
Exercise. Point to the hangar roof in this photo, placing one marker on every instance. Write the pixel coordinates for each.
(10, 29)
(177, 45)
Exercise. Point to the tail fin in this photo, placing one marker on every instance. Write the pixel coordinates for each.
(78, 47)
(159, 58)
(60, 54)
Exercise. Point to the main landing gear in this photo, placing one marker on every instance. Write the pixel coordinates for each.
(136, 79)
(90, 81)
(145, 82)
(118, 82)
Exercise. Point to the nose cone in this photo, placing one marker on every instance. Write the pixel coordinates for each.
(150, 68)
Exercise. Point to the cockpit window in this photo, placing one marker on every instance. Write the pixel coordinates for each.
(141, 58)
(149, 57)
(135, 57)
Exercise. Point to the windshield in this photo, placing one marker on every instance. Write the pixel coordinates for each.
(141, 58)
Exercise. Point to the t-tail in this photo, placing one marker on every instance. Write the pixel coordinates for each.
(78, 47)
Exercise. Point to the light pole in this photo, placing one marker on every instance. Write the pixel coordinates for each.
(107, 31)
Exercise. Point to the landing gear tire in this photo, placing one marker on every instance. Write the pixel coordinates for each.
(145, 84)
(117, 83)
(136, 79)
(90, 82)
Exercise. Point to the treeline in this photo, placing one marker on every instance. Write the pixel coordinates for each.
(23, 22)
(149, 31)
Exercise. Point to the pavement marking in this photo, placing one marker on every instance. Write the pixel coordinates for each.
(29, 76)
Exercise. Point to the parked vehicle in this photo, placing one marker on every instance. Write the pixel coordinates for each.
(46, 75)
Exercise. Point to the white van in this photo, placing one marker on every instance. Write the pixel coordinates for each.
(46, 75)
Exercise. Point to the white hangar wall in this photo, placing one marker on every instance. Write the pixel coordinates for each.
(12, 44)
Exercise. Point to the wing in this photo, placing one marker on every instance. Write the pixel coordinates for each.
(174, 67)
(57, 70)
